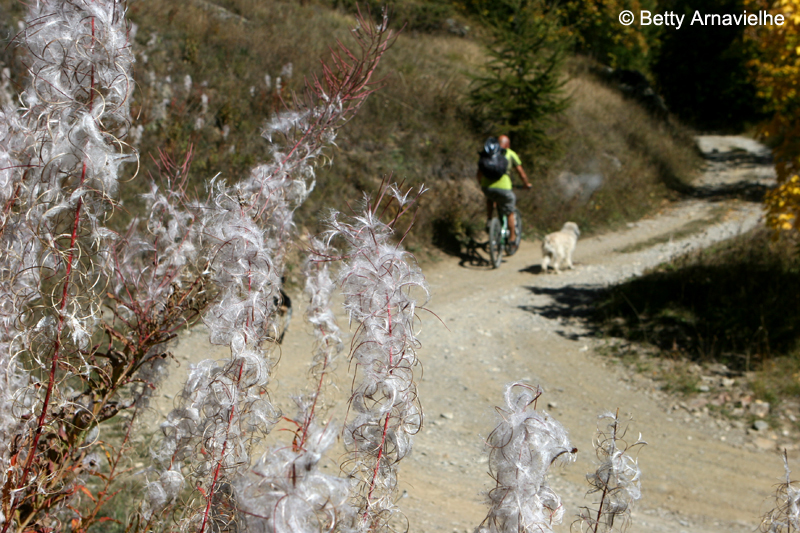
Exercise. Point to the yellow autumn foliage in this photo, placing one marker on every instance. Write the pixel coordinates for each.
(776, 72)
(783, 205)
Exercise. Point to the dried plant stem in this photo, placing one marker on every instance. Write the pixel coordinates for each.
(379, 284)
(522, 448)
(617, 478)
(785, 516)
(375, 470)
(385, 426)
(218, 466)
(600, 507)
(103, 495)
(40, 423)
(310, 417)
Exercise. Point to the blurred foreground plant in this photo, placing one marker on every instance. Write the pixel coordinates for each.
(785, 517)
(522, 448)
(524, 445)
(285, 491)
(87, 311)
(616, 480)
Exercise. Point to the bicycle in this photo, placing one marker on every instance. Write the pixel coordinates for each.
(498, 238)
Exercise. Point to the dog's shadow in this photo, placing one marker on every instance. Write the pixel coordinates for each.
(533, 269)
(537, 269)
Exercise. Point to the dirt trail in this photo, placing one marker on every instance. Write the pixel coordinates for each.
(699, 474)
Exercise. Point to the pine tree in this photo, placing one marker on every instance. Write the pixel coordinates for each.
(521, 87)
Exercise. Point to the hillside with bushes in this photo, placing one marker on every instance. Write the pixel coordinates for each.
(209, 74)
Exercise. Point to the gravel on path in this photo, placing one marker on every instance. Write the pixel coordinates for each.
(495, 326)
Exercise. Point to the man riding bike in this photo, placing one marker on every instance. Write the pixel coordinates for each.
(499, 191)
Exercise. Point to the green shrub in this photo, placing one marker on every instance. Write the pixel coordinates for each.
(599, 34)
(519, 90)
(736, 303)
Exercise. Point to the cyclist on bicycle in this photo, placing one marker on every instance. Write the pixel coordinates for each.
(499, 191)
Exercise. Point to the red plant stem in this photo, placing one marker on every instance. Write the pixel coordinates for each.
(222, 455)
(317, 393)
(310, 417)
(377, 464)
(57, 347)
(54, 365)
(600, 508)
(605, 487)
(91, 87)
(10, 203)
(103, 495)
(385, 423)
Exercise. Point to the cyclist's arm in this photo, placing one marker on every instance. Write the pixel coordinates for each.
(521, 172)
(514, 161)
(479, 176)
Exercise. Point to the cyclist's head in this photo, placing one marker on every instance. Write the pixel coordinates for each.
(505, 142)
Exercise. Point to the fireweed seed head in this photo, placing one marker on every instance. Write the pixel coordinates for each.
(522, 448)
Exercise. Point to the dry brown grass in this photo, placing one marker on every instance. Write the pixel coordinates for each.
(228, 48)
(735, 303)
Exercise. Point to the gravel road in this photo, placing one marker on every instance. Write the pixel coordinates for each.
(700, 474)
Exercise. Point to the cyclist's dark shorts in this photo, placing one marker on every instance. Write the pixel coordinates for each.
(504, 199)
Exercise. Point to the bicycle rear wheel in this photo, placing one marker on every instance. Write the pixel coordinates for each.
(495, 242)
(511, 250)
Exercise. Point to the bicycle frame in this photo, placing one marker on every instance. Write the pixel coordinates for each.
(499, 238)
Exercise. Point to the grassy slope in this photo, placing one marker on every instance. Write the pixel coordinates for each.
(417, 127)
(736, 303)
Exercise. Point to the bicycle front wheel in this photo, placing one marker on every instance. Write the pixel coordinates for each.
(511, 250)
(495, 242)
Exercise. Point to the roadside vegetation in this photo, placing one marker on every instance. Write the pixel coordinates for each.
(735, 304)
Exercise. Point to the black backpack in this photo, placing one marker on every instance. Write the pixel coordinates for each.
(492, 163)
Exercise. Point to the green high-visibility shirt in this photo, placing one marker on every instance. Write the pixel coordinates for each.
(505, 181)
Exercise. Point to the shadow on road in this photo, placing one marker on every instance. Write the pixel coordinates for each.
(470, 253)
(474, 254)
(566, 304)
(739, 158)
(742, 190)
(570, 305)
(533, 269)
(747, 190)
(738, 306)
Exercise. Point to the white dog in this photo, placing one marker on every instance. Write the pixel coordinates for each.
(558, 247)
